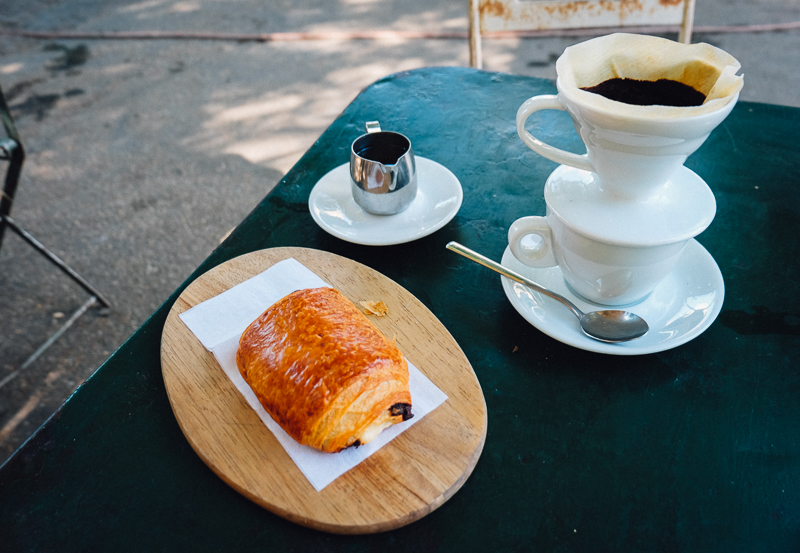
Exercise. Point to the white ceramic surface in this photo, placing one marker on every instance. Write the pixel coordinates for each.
(633, 158)
(613, 251)
(682, 209)
(684, 305)
(607, 274)
(634, 150)
(438, 199)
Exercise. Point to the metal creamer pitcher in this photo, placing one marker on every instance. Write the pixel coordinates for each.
(383, 173)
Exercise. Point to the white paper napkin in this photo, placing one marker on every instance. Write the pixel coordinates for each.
(219, 322)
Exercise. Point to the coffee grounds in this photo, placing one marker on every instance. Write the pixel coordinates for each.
(663, 92)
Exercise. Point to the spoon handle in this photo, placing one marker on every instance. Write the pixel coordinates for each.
(506, 272)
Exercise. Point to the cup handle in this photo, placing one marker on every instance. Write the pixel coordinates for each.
(548, 101)
(540, 255)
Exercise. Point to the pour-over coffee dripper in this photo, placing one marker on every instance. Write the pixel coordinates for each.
(634, 150)
(630, 195)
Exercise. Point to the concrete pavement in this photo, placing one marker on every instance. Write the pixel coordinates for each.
(142, 154)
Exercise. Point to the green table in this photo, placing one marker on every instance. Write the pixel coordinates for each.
(693, 449)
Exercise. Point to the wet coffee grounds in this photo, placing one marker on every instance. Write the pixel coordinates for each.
(663, 92)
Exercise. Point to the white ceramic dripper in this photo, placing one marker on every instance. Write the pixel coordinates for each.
(634, 150)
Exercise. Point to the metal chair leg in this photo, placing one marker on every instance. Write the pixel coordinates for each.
(95, 296)
(56, 335)
(53, 258)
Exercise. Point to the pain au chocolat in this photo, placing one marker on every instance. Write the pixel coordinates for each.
(323, 371)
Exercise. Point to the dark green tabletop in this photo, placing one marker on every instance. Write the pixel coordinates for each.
(693, 449)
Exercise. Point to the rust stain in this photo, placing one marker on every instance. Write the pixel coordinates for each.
(568, 9)
(494, 9)
(622, 7)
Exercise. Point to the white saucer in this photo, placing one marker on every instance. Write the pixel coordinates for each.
(681, 209)
(438, 199)
(678, 310)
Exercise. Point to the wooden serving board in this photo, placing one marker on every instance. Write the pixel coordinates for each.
(406, 479)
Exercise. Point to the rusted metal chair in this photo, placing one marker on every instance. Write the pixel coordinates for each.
(511, 17)
(11, 150)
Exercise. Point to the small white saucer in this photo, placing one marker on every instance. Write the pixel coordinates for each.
(438, 199)
(678, 310)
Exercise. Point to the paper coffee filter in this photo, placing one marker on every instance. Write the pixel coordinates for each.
(621, 55)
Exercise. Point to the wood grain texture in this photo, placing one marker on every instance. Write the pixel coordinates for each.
(405, 480)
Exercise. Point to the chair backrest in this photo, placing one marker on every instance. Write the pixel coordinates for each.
(488, 16)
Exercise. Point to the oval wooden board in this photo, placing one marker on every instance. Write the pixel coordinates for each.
(405, 480)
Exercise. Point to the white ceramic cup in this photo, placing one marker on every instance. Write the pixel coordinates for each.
(605, 273)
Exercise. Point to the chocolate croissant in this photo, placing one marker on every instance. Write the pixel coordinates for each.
(323, 371)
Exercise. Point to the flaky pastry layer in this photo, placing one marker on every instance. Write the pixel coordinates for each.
(323, 371)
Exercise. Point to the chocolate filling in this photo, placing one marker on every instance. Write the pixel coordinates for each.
(395, 410)
(401, 409)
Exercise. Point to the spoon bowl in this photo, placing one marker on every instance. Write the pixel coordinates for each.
(610, 325)
(613, 325)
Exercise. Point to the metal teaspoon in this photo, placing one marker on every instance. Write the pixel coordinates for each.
(610, 325)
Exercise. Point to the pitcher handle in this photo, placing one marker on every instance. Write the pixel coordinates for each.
(548, 101)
